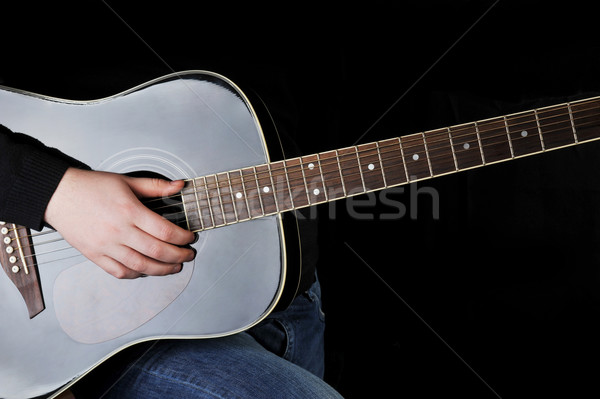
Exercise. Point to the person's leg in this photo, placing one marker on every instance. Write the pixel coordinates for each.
(230, 367)
(282, 357)
(297, 333)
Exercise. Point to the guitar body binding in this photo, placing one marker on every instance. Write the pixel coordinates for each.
(181, 126)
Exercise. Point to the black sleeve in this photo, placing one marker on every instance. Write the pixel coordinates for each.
(29, 174)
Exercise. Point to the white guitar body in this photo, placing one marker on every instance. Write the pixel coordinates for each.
(191, 126)
(180, 126)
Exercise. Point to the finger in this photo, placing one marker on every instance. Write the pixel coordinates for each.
(161, 228)
(157, 249)
(116, 269)
(137, 262)
(152, 187)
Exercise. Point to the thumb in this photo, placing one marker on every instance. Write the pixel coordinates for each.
(153, 187)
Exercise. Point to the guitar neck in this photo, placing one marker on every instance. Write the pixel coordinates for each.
(253, 192)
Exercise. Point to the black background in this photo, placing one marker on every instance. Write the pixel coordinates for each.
(498, 295)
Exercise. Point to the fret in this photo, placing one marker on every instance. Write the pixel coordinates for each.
(337, 158)
(313, 178)
(392, 162)
(494, 140)
(427, 154)
(274, 186)
(280, 182)
(254, 201)
(289, 187)
(466, 145)
(452, 148)
(258, 190)
(479, 142)
(362, 177)
(185, 211)
(322, 178)
(381, 164)
(572, 123)
(586, 118)
(403, 162)
(331, 173)
(512, 152)
(296, 183)
(266, 189)
(228, 176)
(439, 149)
(225, 198)
(202, 202)
(370, 167)
(539, 128)
(415, 157)
(351, 174)
(189, 199)
(555, 126)
(522, 130)
(239, 194)
(214, 200)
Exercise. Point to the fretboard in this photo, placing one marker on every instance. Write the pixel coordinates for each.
(257, 191)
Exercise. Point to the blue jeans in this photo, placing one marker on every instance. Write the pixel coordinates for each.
(282, 357)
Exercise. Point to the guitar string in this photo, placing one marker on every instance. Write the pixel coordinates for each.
(233, 216)
(230, 218)
(454, 130)
(56, 250)
(521, 115)
(525, 114)
(502, 134)
(457, 151)
(441, 131)
(225, 186)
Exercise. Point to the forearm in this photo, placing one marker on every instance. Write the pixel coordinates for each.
(29, 175)
(98, 213)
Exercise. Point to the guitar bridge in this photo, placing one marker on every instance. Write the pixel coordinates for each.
(18, 261)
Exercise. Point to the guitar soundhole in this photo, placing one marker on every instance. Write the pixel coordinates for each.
(171, 208)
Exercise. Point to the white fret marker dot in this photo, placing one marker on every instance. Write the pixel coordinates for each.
(316, 191)
(311, 166)
(371, 166)
(466, 146)
(266, 189)
(238, 195)
(524, 133)
(415, 157)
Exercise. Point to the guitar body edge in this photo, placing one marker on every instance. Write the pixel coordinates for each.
(180, 126)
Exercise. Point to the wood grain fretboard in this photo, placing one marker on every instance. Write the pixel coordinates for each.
(253, 192)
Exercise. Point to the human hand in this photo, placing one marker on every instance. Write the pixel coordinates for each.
(99, 214)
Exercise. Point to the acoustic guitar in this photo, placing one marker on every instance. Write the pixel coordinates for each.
(61, 315)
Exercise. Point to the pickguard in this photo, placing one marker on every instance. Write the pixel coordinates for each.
(93, 306)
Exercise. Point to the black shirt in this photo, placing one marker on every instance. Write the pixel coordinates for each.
(29, 175)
